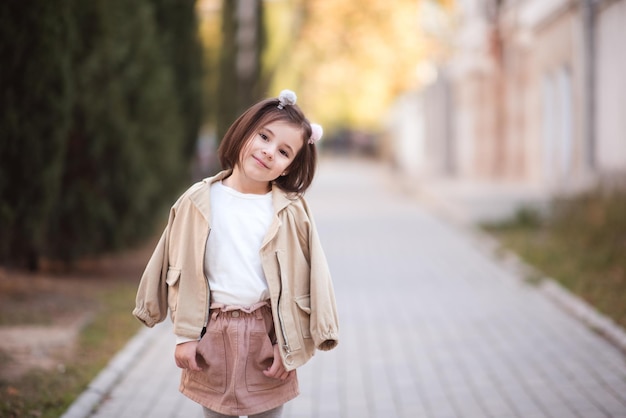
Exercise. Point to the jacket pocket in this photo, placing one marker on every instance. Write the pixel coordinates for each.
(173, 276)
(304, 313)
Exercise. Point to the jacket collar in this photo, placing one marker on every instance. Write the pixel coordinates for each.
(201, 200)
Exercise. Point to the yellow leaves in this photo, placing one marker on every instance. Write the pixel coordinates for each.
(352, 58)
(346, 59)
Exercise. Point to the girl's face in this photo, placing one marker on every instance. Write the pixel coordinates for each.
(267, 155)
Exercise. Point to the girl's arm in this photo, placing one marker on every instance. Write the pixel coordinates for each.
(324, 319)
(151, 301)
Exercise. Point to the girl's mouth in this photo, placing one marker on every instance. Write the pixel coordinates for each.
(261, 163)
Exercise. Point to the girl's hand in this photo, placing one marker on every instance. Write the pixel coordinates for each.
(185, 356)
(277, 369)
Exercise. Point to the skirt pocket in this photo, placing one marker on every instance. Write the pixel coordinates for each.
(212, 358)
(260, 358)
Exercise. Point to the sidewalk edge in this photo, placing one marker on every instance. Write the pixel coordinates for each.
(104, 382)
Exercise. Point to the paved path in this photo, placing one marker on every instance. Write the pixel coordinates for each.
(430, 327)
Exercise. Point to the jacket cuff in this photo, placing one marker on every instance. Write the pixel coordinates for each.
(327, 345)
(144, 317)
(183, 340)
(327, 340)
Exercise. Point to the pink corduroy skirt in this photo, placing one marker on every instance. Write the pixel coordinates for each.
(233, 353)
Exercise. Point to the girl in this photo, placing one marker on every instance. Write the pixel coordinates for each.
(242, 271)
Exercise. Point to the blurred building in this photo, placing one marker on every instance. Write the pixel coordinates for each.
(533, 93)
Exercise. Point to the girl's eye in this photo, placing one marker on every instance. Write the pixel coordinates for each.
(263, 136)
(284, 153)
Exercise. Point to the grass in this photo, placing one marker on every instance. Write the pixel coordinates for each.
(48, 393)
(581, 244)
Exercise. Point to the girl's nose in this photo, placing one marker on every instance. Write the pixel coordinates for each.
(268, 153)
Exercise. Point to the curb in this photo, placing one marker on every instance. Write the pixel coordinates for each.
(104, 382)
(581, 310)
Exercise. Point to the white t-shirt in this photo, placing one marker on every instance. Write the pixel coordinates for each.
(239, 223)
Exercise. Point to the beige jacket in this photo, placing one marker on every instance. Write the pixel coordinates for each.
(301, 291)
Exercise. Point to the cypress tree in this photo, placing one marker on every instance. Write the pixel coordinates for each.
(124, 153)
(177, 28)
(97, 123)
(35, 81)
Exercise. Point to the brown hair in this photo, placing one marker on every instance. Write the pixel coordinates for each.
(301, 170)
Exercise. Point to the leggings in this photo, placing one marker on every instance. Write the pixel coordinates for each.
(272, 413)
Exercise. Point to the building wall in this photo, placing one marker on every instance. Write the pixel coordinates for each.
(611, 88)
(516, 56)
(556, 141)
(514, 101)
(439, 143)
(471, 72)
(406, 129)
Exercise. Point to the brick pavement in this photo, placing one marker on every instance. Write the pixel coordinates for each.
(431, 327)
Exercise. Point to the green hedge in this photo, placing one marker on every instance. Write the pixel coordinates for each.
(98, 124)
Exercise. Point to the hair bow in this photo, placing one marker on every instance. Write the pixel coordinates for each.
(316, 133)
(286, 97)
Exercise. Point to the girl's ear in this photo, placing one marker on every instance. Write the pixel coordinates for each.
(284, 173)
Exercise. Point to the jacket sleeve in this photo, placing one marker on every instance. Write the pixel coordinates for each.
(324, 318)
(151, 301)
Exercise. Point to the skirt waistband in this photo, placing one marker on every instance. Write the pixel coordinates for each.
(236, 311)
